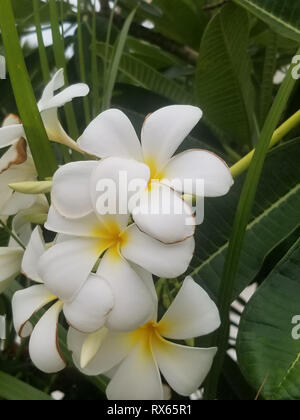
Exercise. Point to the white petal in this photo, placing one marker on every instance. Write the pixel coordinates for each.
(21, 224)
(71, 189)
(113, 350)
(112, 181)
(15, 155)
(111, 134)
(74, 91)
(43, 345)
(184, 368)
(196, 166)
(18, 202)
(11, 172)
(149, 283)
(192, 314)
(137, 378)
(11, 119)
(57, 82)
(66, 266)
(35, 249)
(133, 305)
(91, 346)
(26, 303)
(164, 215)
(87, 226)
(90, 309)
(162, 260)
(10, 134)
(164, 131)
(55, 131)
(10, 265)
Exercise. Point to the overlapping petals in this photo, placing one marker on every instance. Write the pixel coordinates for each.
(76, 212)
(16, 165)
(48, 105)
(196, 172)
(141, 355)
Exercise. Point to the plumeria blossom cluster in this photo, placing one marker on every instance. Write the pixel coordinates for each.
(120, 221)
(17, 165)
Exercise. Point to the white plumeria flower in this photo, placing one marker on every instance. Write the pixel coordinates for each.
(138, 357)
(12, 255)
(66, 266)
(16, 165)
(48, 106)
(112, 134)
(94, 306)
(10, 265)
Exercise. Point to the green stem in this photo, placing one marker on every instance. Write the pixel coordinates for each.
(10, 232)
(94, 64)
(243, 164)
(242, 217)
(107, 43)
(38, 141)
(41, 45)
(81, 61)
(59, 54)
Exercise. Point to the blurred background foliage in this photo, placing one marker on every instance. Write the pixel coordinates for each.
(229, 58)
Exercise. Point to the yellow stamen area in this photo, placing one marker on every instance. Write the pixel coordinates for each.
(111, 237)
(146, 336)
(156, 174)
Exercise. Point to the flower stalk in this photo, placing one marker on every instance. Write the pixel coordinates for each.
(243, 164)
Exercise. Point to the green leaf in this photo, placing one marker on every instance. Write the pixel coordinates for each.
(274, 217)
(223, 85)
(13, 389)
(267, 352)
(147, 77)
(282, 15)
(115, 62)
(181, 21)
(42, 153)
(267, 86)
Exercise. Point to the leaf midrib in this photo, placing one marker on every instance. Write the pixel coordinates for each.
(265, 12)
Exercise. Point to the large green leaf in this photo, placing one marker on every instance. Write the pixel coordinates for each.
(275, 216)
(223, 84)
(282, 15)
(13, 389)
(146, 76)
(183, 21)
(268, 353)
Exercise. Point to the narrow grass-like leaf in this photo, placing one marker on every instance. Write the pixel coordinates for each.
(41, 45)
(267, 86)
(115, 63)
(107, 45)
(94, 65)
(240, 225)
(86, 103)
(12, 389)
(36, 135)
(59, 54)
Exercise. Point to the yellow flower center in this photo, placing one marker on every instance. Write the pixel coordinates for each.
(156, 174)
(145, 336)
(112, 238)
